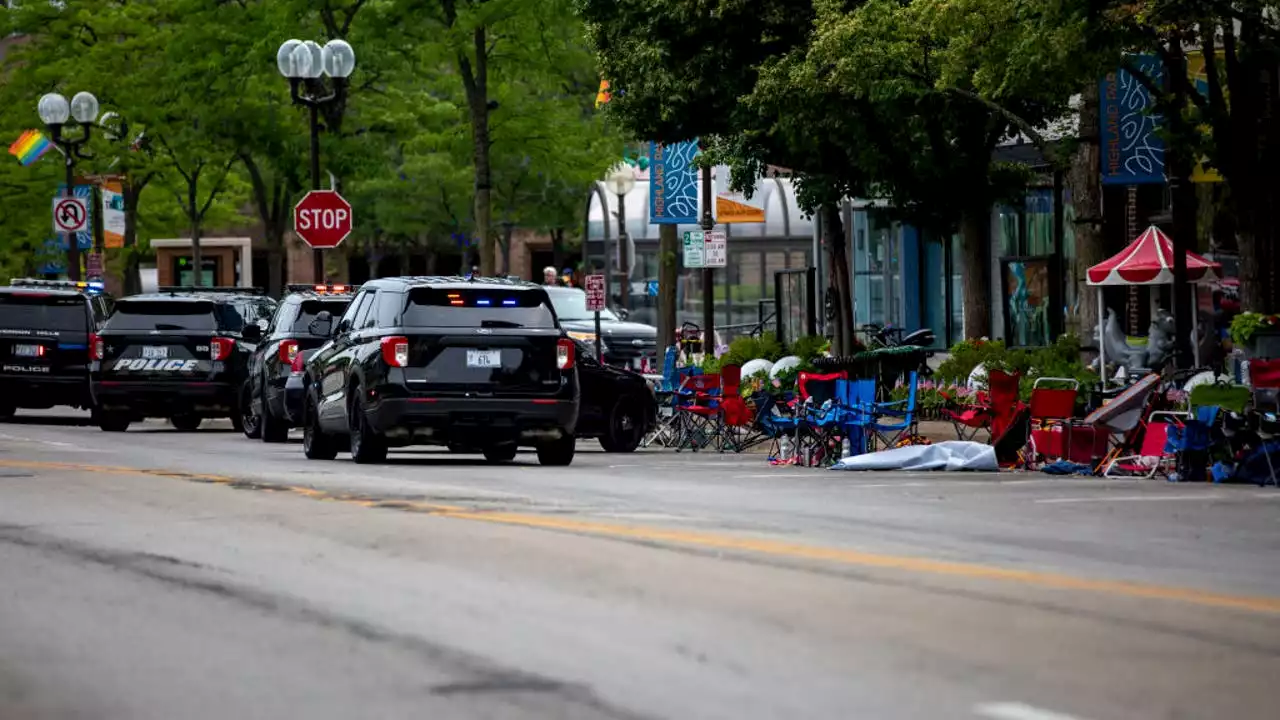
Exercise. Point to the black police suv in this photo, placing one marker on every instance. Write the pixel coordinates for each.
(618, 407)
(287, 341)
(624, 344)
(45, 327)
(449, 361)
(181, 353)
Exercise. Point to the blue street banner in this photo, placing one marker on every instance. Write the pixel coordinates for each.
(84, 239)
(1132, 150)
(52, 257)
(673, 183)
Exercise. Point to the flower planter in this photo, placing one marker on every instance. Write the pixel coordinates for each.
(1263, 344)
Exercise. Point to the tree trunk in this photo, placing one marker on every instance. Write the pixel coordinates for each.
(275, 269)
(668, 276)
(1085, 181)
(197, 278)
(132, 274)
(478, 101)
(557, 250)
(838, 271)
(976, 230)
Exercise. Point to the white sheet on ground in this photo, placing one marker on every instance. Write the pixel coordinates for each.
(952, 456)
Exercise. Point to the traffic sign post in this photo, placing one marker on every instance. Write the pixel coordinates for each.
(596, 301)
(323, 220)
(93, 265)
(70, 215)
(695, 249)
(715, 250)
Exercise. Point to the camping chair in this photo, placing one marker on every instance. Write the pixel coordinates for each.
(700, 415)
(735, 430)
(892, 433)
(1052, 409)
(1157, 454)
(1264, 377)
(1011, 440)
(667, 431)
(819, 417)
(777, 423)
(993, 412)
(854, 400)
(1094, 439)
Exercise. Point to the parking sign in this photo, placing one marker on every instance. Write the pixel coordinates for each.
(595, 293)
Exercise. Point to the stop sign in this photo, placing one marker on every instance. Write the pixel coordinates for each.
(322, 219)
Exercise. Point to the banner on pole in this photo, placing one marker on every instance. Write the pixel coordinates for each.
(1132, 149)
(673, 183)
(112, 214)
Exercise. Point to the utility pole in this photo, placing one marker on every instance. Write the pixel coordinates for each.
(707, 222)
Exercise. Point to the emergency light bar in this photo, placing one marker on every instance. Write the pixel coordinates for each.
(329, 289)
(60, 284)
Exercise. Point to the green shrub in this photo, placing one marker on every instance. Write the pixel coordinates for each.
(747, 348)
(1245, 325)
(809, 347)
(965, 356)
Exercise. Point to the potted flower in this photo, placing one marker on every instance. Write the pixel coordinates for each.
(1257, 334)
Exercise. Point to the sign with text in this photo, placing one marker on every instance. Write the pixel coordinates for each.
(694, 249)
(673, 183)
(322, 219)
(1132, 149)
(113, 214)
(715, 250)
(596, 301)
(93, 266)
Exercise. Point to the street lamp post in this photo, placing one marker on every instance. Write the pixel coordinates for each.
(55, 112)
(304, 64)
(620, 182)
(708, 222)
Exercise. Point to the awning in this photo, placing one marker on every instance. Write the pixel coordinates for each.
(1149, 261)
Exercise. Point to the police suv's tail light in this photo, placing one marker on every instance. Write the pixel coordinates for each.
(220, 348)
(288, 351)
(97, 348)
(395, 351)
(295, 365)
(564, 353)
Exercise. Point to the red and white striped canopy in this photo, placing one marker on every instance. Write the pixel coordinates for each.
(1149, 261)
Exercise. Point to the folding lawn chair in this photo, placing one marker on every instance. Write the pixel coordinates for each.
(819, 417)
(1052, 409)
(855, 400)
(735, 429)
(891, 432)
(700, 416)
(1094, 439)
(667, 431)
(777, 423)
(1264, 377)
(1157, 454)
(994, 404)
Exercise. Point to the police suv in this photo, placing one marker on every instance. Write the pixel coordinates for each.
(181, 354)
(44, 342)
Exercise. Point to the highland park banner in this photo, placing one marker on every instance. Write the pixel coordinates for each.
(673, 183)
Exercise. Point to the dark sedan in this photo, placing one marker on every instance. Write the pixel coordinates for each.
(625, 344)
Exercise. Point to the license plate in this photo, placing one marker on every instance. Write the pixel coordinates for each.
(27, 350)
(484, 358)
(152, 352)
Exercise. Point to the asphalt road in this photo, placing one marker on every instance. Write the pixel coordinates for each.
(162, 574)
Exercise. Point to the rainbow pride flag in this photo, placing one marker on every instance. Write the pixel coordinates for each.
(30, 147)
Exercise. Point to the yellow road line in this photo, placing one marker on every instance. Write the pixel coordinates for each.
(919, 565)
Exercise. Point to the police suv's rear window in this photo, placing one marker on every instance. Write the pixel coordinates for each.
(479, 307)
(36, 311)
(308, 310)
(147, 315)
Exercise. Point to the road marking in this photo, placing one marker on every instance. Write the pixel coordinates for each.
(714, 541)
(1130, 498)
(1019, 711)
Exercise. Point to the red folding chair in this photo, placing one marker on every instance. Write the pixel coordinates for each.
(1051, 411)
(699, 418)
(993, 412)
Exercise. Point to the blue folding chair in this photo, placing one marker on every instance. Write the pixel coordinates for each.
(890, 432)
(856, 398)
(669, 428)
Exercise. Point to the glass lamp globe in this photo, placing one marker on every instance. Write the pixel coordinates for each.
(284, 59)
(309, 60)
(84, 108)
(338, 58)
(54, 109)
(621, 180)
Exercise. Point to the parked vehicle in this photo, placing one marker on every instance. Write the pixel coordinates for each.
(265, 397)
(45, 327)
(447, 361)
(624, 344)
(182, 354)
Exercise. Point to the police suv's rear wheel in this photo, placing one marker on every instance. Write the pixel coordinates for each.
(500, 453)
(274, 429)
(250, 420)
(186, 423)
(7, 411)
(316, 445)
(367, 446)
(557, 452)
(113, 421)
